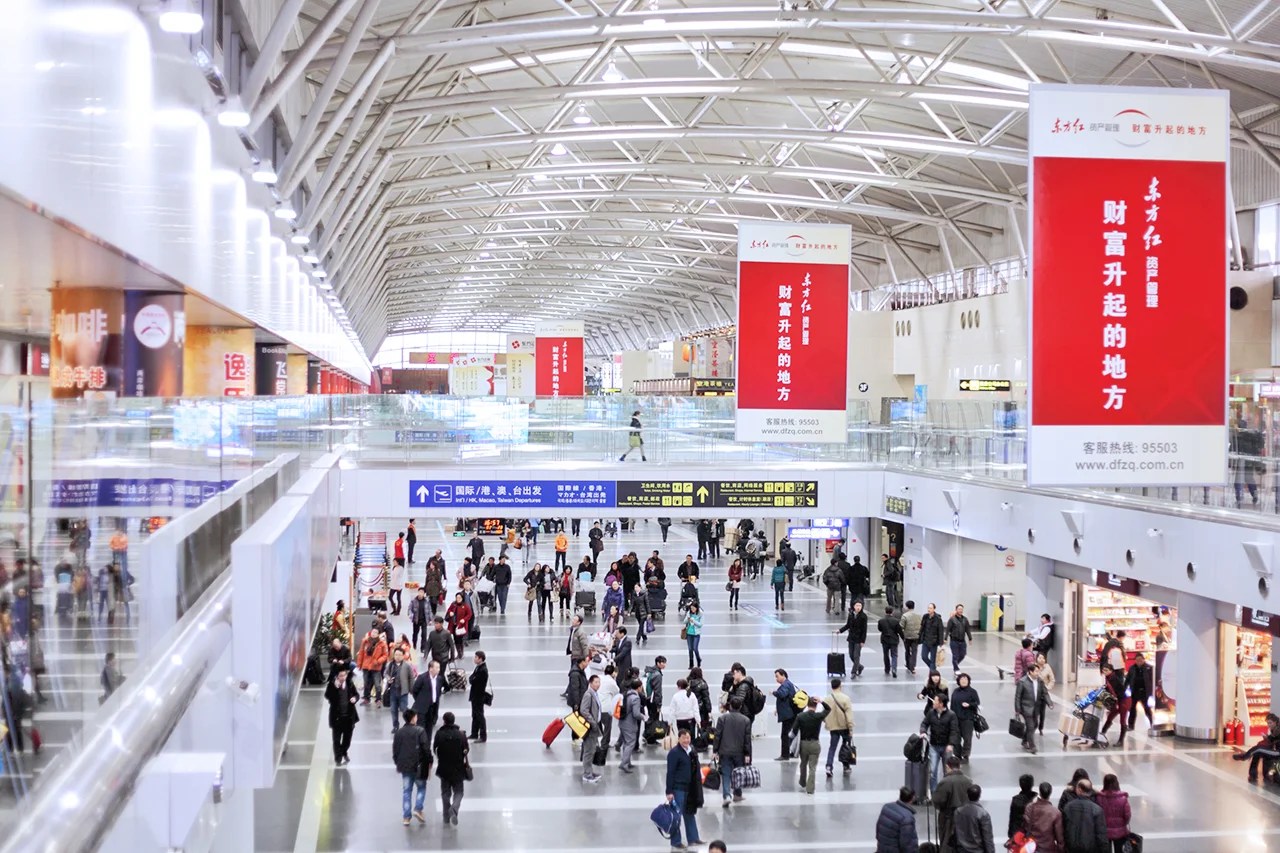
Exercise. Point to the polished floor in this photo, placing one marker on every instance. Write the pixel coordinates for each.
(1185, 798)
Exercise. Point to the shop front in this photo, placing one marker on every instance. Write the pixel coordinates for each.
(1114, 607)
(1246, 672)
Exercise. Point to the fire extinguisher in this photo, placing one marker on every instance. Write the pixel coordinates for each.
(1233, 732)
(1240, 732)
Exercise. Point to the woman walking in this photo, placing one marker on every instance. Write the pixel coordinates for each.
(964, 702)
(459, 616)
(532, 584)
(566, 594)
(1115, 808)
(779, 580)
(693, 633)
(735, 583)
(634, 439)
(640, 608)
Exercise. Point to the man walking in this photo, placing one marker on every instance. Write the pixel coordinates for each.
(419, 619)
(960, 633)
(809, 723)
(684, 789)
(896, 826)
(839, 724)
(911, 621)
(890, 633)
(589, 708)
(476, 544)
(502, 584)
(951, 795)
(427, 689)
(1140, 685)
(1084, 826)
(451, 750)
(411, 752)
(1030, 700)
(733, 747)
(479, 697)
(400, 677)
(856, 626)
(629, 723)
(932, 633)
(973, 825)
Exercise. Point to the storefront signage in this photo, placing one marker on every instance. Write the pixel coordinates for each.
(530, 493)
(897, 506)
(826, 533)
(793, 325)
(710, 387)
(559, 363)
(1128, 586)
(1128, 257)
(829, 522)
(986, 385)
(1260, 620)
(1269, 389)
(719, 494)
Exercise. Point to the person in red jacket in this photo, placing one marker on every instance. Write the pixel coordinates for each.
(735, 582)
(1116, 811)
(459, 616)
(370, 659)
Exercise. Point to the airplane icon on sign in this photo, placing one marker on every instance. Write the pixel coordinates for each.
(443, 494)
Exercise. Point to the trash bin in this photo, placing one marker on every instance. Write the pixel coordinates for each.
(997, 612)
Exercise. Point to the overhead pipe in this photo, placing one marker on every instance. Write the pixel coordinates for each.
(270, 50)
(330, 187)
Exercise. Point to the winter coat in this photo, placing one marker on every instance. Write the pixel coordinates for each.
(434, 583)
(1116, 812)
(1084, 827)
(407, 749)
(931, 629)
(1023, 660)
(959, 629)
(943, 729)
(479, 682)
(841, 717)
(890, 629)
(958, 698)
(911, 625)
(783, 695)
(896, 829)
(1043, 822)
(683, 774)
(733, 735)
(451, 754)
(372, 656)
(856, 625)
(833, 578)
(1018, 811)
(973, 830)
(340, 704)
(440, 646)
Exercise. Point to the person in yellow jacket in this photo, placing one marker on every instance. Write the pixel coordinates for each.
(839, 723)
(562, 550)
(120, 552)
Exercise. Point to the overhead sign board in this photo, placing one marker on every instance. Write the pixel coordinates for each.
(1128, 586)
(986, 385)
(814, 533)
(1260, 620)
(897, 506)
(829, 522)
(531, 493)
(718, 494)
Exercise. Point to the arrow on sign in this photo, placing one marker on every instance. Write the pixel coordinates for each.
(702, 494)
(422, 494)
(964, 384)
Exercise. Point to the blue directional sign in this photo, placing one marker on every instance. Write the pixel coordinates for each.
(567, 494)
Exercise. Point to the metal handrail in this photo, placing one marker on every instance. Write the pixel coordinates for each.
(79, 797)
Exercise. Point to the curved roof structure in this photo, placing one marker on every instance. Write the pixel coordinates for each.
(485, 165)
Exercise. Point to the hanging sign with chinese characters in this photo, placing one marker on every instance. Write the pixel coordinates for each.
(1128, 286)
(218, 362)
(559, 366)
(793, 322)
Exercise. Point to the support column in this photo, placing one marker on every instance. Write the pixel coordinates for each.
(1195, 666)
(1046, 594)
(932, 566)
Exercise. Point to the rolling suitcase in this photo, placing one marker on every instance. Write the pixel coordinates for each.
(835, 659)
(917, 779)
(552, 732)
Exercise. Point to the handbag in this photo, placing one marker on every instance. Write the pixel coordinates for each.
(848, 754)
(577, 723)
(684, 633)
(669, 742)
(648, 625)
(746, 776)
(467, 772)
(601, 755)
(711, 778)
(1132, 844)
(980, 724)
(728, 587)
(1017, 728)
(665, 817)
(530, 594)
(940, 658)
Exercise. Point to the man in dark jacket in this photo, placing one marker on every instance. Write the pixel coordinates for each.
(411, 539)
(419, 609)
(478, 695)
(684, 789)
(890, 629)
(1139, 683)
(960, 634)
(339, 657)
(577, 683)
(687, 569)
(973, 826)
(860, 579)
(733, 747)
(942, 730)
(789, 560)
(477, 549)
(343, 715)
(451, 750)
(622, 650)
(411, 752)
(427, 689)
(502, 584)
(1018, 805)
(896, 826)
(1084, 827)
(951, 794)
(931, 637)
(595, 539)
(440, 645)
(856, 627)
(833, 580)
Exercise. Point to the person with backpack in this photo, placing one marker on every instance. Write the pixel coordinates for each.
(779, 581)
(833, 580)
(738, 685)
(856, 628)
(784, 698)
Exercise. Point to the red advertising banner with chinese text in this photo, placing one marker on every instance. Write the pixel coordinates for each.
(1128, 296)
(558, 364)
(792, 332)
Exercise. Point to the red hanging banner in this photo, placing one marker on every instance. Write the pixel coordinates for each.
(558, 363)
(792, 332)
(1128, 286)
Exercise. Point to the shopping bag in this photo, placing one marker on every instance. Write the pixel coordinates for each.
(746, 777)
(941, 657)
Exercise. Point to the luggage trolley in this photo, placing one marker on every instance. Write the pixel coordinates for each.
(1081, 725)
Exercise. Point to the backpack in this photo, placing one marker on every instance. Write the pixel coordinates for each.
(757, 699)
(753, 547)
(651, 675)
(800, 699)
(913, 750)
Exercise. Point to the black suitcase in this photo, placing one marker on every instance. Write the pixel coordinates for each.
(916, 778)
(835, 663)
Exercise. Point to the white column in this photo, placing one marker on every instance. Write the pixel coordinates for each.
(933, 566)
(1046, 594)
(1195, 667)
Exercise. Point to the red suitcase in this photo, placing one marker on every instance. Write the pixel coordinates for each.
(552, 732)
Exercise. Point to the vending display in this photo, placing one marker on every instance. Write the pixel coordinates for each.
(1253, 679)
(1148, 627)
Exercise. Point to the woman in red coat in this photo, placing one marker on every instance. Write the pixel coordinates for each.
(459, 617)
(735, 581)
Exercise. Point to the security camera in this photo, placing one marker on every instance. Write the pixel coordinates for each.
(246, 692)
(1154, 532)
(1006, 506)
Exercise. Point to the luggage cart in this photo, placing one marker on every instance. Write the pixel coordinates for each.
(1080, 726)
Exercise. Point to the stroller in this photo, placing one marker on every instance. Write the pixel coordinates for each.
(611, 528)
(657, 603)
(485, 597)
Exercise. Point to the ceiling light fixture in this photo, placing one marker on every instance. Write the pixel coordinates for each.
(233, 114)
(285, 211)
(299, 239)
(310, 258)
(181, 17)
(45, 65)
(582, 117)
(539, 178)
(612, 74)
(324, 285)
(558, 150)
(264, 173)
(318, 273)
